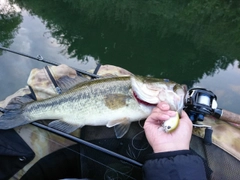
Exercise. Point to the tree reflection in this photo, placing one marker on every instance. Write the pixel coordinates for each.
(178, 40)
(9, 23)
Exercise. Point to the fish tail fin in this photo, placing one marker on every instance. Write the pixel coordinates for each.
(13, 115)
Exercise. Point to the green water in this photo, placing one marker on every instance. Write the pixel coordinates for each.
(191, 42)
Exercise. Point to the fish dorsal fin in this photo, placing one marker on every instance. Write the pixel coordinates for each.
(121, 126)
(63, 126)
(67, 83)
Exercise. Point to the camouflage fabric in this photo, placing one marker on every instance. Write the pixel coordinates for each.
(225, 135)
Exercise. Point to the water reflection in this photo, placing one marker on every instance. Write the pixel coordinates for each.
(225, 86)
(119, 33)
(185, 42)
(10, 18)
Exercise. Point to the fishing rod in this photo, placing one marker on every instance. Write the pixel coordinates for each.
(86, 143)
(41, 59)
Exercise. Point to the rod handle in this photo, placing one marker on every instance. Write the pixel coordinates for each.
(230, 116)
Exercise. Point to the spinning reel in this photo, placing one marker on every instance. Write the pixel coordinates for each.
(198, 103)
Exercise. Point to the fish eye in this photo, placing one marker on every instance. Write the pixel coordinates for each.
(169, 127)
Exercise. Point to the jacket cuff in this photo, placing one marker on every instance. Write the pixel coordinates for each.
(182, 164)
(168, 154)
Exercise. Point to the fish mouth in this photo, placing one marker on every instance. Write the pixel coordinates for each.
(140, 101)
(144, 92)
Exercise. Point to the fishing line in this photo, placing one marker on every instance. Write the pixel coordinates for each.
(139, 149)
(128, 169)
(139, 123)
(109, 171)
(133, 151)
(130, 152)
(94, 160)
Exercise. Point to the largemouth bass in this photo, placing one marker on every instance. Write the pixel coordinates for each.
(114, 102)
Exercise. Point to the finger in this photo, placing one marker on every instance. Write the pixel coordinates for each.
(184, 114)
(163, 106)
(171, 113)
(185, 118)
(166, 112)
(156, 117)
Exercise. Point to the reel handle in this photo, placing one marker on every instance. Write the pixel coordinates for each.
(230, 117)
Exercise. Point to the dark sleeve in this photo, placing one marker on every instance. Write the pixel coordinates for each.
(174, 165)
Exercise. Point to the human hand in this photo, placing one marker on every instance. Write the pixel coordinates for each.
(179, 139)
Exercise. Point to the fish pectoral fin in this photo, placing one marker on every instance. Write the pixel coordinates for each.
(121, 129)
(63, 126)
(116, 122)
(121, 126)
